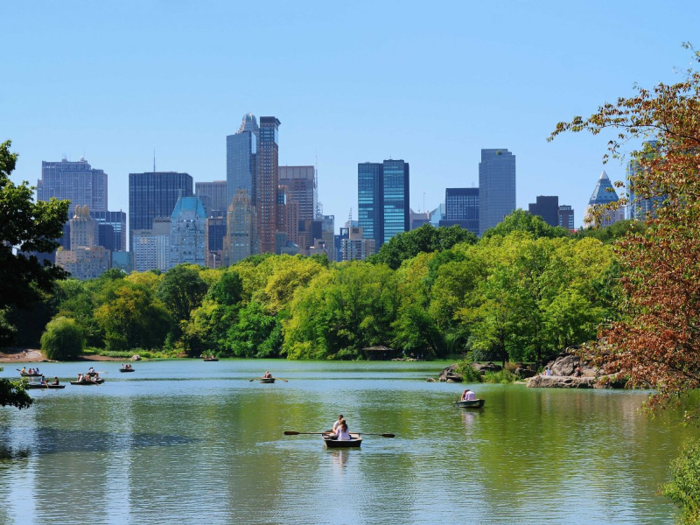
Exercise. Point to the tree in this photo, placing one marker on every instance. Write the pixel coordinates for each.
(426, 239)
(62, 340)
(25, 226)
(657, 342)
(523, 221)
(181, 290)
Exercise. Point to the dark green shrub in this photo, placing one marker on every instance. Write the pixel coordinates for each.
(469, 375)
(62, 340)
(684, 489)
(503, 376)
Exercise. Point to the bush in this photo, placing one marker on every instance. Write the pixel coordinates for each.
(504, 376)
(469, 375)
(684, 489)
(62, 340)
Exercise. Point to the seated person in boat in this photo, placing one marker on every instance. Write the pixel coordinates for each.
(337, 423)
(80, 378)
(36, 370)
(127, 367)
(468, 395)
(24, 370)
(30, 371)
(267, 375)
(342, 433)
(55, 381)
(91, 370)
(43, 381)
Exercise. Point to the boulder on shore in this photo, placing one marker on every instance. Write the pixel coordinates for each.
(540, 381)
(450, 374)
(487, 367)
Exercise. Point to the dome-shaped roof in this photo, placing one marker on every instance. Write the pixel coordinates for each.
(249, 123)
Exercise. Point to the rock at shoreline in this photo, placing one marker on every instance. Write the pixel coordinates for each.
(450, 375)
(561, 382)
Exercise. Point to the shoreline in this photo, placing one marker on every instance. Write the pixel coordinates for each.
(32, 355)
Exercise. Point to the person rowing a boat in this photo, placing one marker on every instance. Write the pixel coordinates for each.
(267, 375)
(55, 381)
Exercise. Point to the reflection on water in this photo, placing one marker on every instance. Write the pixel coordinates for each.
(185, 440)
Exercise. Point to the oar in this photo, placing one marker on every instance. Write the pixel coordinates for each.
(254, 379)
(280, 379)
(295, 433)
(366, 434)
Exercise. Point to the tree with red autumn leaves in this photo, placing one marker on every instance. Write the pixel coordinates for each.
(657, 341)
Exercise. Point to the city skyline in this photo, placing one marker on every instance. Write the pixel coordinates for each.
(477, 79)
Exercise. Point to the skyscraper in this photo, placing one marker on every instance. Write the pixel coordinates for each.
(213, 196)
(299, 184)
(117, 221)
(266, 190)
(395, 199)
(496, 187)
(383, 200)
(370, 206)
(566, 217)
(240, 229)
(462, 208)
(73, 181)
(85, 260)
(604, 193)
(546, 207)
(188, 232)
(153, 195)
(241, 159)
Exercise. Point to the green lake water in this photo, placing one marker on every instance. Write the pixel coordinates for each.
(193, 442)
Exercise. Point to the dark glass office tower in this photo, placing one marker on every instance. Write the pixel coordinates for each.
(383, 200)
(241, 159)
(546, 207)
(496, 187)
(462, 208)
(397, 213)
(266, 198)
(154, 195)
(370, 206)
(116, 221)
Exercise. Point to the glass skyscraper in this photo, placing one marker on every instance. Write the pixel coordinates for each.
(397, 214)
(154, 194)
(496, 187)
(383, 199)
(266, 194)
(241, 159)
(370, 206)
(462, 208)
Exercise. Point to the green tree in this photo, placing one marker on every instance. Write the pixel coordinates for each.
(25, 226)
(12, 393)
(426, 239)
(181, 290)
(523, 221)
(62, 340)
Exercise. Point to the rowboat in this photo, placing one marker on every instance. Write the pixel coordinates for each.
(39, 385)
(83, 382)
(267, 379)
(126, 369)
(330, 442)
(477, 403)
(33, 374)
(211, 358)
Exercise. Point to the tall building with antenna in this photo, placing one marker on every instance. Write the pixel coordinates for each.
(154, 194)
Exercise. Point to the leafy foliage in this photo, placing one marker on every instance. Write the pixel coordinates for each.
(12, 393)
(684, 489)
(522, 221)
(426, 239)
(657, 339)
(62, 340)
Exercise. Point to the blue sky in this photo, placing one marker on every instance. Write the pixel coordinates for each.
(431, 83)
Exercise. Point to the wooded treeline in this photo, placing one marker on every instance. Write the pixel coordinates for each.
(525, 291)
